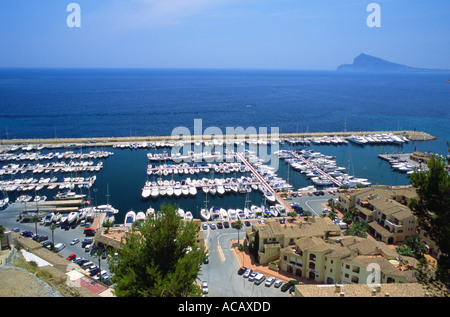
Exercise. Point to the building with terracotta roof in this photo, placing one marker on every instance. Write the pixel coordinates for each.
(272, 236)
(385, 210)
(346, 259)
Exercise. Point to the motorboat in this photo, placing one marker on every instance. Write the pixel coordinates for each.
(146, 191)
(49, 218)
(205, 214)
(257, 211)
(181, 213)
(241, 214)
(177, 189)
(154, 192)
(150, 212)
(188, 215)
(64, 217)
(250, 214)
(107, 208)
(130, 217)
(215, 213)
(140, 216)
(281, 210)
(192, 189)
(232, 215)
(66, 195)
(185, 190)
(72, 217)
(169, 191)
(224, 214)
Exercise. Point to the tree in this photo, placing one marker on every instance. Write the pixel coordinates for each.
(35, 219)
(432, 210)
(52, 228)
(359, 229)
(416, 245)
(238, 226)
(159, 259)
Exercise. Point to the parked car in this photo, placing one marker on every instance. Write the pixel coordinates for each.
(205, 287)
(212, 225)
(71, 257)
(251, 277)
(226, 224)
(277, 283)
(242, 270)
(247, 273)
(58, 247)
(259, 278)
(270, 280)
(286, 287)
(74, 241)
(94, 271)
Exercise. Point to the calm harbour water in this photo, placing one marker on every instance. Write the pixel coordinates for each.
(44, 103)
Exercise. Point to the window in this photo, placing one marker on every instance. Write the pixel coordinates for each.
(312, 257)
(347, 266)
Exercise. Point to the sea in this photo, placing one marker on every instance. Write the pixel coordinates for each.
(67, 103)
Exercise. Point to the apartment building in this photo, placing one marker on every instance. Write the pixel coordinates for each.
(271, 236)
(346, 259)
(385, 210)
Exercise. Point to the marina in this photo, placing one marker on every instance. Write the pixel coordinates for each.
(224, 174)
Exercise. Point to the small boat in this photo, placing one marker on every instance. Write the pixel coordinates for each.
(241, 214)
(215, 213)
(130, 217)
(64, 217)
(177, 189)
(140, 216)
(188, 215)
(205, 214)
(72, 217)
(65, 195)
(146, 191)
(224, 214)
(49, 218)
(232, 215)
(181, 213)
(192, 189)
(150, 212)
(107, 208)
(257, 211)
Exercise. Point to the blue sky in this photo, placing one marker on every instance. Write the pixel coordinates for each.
(255, 34)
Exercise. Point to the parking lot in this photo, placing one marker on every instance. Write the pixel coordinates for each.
(61, 236)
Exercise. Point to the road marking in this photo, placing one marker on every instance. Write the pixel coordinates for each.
(221, 253)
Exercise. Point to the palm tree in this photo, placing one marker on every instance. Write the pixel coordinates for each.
(238, 225)
(35, 219)
(98, 253)
(52, 228)
(359, 229)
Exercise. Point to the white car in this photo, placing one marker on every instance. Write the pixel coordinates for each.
(277, 283)
(270, 281)
(59, 247)
(247, 273)
(74, 241)
(205, 287)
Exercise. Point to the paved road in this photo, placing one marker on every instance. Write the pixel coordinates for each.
(221, 271)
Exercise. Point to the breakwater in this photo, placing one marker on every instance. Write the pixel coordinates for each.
(110, 141)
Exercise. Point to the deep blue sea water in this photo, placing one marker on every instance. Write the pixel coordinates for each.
(44, 103)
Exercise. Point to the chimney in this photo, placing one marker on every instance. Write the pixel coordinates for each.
(341, 294)
(386, 294)
(378, 288)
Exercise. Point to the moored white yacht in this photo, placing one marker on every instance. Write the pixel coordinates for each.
(130, 217)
